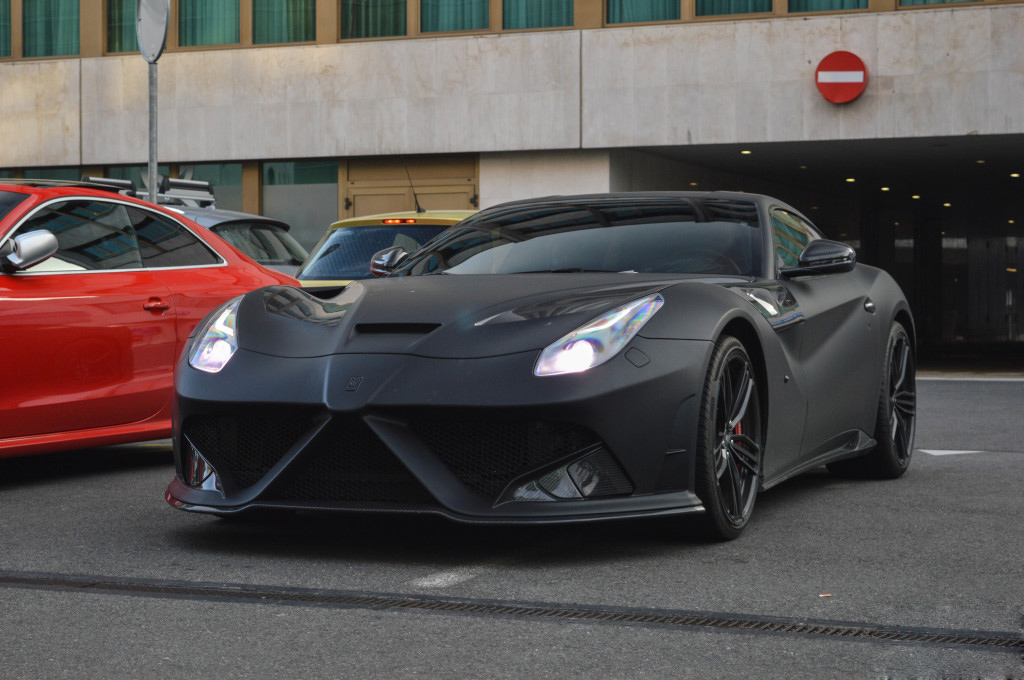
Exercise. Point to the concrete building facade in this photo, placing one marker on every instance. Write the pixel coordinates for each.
(921, 172)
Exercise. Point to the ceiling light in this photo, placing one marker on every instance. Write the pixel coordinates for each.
(850, 179)
(693, 184)
(1014, 174)
(980, 162)
(915, 197)
(746, 152)
(946, 205)
(885, 188)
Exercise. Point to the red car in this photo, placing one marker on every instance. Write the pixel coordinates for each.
(98, 295)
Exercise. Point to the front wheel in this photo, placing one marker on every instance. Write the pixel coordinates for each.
(729, 441)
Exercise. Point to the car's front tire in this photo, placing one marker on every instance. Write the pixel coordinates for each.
(730, 440)
(897, 415)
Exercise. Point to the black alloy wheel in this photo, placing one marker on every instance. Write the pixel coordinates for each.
(730, 441)
(897, 415)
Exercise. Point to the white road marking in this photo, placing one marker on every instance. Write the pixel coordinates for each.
(451, 577)
(941, 452)
(969, 378)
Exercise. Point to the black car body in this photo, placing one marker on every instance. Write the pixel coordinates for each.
(560, 359)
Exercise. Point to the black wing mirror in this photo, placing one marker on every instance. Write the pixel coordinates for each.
(28, 250)
(822, 257)
(384, 261)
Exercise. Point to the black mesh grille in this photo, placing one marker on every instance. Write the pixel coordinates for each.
(348, 462)
(243, 448)
(486, 456)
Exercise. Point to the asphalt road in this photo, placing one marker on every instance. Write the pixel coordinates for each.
(921, 577)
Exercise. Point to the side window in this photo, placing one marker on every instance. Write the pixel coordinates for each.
(790, 235)
(165, 243)
(92, 235)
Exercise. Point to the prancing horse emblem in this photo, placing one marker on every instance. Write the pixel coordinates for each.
(353, 383)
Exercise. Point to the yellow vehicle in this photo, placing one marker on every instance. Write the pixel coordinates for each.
(343, 254)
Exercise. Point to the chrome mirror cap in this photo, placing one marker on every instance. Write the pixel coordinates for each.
(28, 250)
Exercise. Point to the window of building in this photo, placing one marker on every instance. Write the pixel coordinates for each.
(207, 22)
(49, 28)
(5, 28)
(630, 11)
(454, 15)
(372, 18)
(707, 8)
(59, 174)
(826, 5)
(304, 194)
(121, 35)
(918, 3)
(226, 179)
(517, 14)
(283, 21)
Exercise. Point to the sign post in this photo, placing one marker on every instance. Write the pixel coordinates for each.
(841, 77)
(152, 18)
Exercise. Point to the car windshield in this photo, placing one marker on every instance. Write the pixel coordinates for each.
(634, 235)
(265, 243)
(9, 199)
(345, 252)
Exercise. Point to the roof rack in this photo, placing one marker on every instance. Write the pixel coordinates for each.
(188, 192)
(121, 186)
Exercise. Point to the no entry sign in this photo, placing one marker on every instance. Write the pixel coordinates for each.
(841, 77)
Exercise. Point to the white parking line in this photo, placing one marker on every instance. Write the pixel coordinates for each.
(941, 452)
(968, 378)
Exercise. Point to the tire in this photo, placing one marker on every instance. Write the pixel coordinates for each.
(730, 438)
(896, 418)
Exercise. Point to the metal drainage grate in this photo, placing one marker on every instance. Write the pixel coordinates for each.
(347, 599)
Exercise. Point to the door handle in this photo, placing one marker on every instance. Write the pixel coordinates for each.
(156, 305)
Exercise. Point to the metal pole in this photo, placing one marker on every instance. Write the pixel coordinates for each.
(153, 189)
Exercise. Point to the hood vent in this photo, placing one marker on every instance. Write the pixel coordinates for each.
(395, 328)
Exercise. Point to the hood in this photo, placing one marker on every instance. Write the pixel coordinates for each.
(442, 316)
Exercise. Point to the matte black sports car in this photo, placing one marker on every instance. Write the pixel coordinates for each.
(555, 360)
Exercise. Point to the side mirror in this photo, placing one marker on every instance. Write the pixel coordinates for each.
(822, 257)
(28, 250)
(384, 261)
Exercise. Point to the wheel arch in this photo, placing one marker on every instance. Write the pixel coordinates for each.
(740, 328)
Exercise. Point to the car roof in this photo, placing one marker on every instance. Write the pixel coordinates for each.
(426, 217)
(213, 217)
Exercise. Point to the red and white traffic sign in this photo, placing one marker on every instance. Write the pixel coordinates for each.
(841, 77)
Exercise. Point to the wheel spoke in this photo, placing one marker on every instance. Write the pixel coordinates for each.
(901, 354)
(736, 484)
(905, 403)
(746, 452)
(740, 407)
(721, 462)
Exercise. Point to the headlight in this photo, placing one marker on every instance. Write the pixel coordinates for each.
(216, 341)
(598, 341)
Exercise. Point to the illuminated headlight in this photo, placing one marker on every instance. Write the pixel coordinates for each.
(216, 342)
(598, 341)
